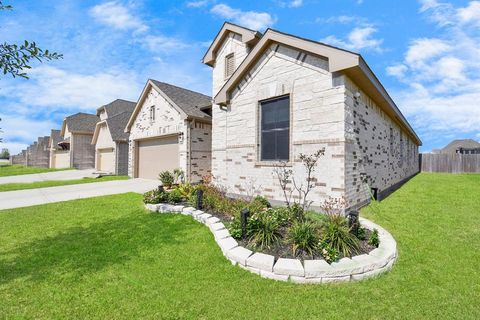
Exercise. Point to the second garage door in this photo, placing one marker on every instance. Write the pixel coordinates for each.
(106, 160)
(157, 155)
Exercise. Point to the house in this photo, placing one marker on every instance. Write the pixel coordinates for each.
(170, 128)
(76, 149)
(59, 153)
(20, 158)
(277, 95)
(461, 146)
(110, 138)
(38, 154)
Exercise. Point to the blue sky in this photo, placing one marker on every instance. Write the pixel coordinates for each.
(425, 52)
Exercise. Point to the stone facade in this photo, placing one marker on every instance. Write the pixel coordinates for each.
(37, 154)
(20, 158)
(82, 152)
(194, 137)
(121, 158)
(323, 114)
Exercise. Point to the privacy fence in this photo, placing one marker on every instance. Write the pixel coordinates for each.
(451, 163)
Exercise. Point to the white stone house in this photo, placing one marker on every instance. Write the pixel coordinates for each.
(170, 128)
(74, 150)
(110, 139)
(277, 95)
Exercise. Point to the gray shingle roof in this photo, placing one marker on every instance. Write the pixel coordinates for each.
(55, 136)
(189, 101)
(117, 124)
(460, 143)
(82, 122)
(119, 106)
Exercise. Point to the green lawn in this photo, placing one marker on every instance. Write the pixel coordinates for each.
(16, 169)
(55, 183)
(109, 258)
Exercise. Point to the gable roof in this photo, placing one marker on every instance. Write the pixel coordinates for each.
(249, 37)
(339, 60)
(55, 138)
(187, 102)
(80, 123)
(116, 107)
(453, 146)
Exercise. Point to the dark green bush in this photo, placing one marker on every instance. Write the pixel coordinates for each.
(361, 233)
(336, 233)
(262, 201)
(297, 212)
(303, 237)
(374, 240)
(167, 179)
(155, 196)
(175, 196)
(235, 228)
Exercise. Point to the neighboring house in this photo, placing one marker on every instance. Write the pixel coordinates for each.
(277, 95)
(20, 158)
(38, 154)
(170, 128)
(59, 153)
(461, 146)
(76, 134)
(110, 138)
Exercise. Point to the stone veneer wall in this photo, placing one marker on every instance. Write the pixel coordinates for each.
(200, 150)
(20, 158)
(121, 158)
(82, 151)
(317, 121)
(167, 120)
(377, 149)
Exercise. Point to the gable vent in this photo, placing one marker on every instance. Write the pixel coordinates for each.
(229, 65)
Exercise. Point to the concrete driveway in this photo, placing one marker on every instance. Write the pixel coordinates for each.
(26, 198)
(55, 175)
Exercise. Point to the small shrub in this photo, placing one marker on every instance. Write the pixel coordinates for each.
(262, 201)
(297, 212)
(155, 196)
(303, 236)
(178, 176)
(361, 233)
(235, 228)
(264, 231)
(167, 179)
(175, 196)
(374, 240)
(328, 253)
(336, 233)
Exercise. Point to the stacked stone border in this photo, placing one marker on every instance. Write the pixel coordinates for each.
(359, 267)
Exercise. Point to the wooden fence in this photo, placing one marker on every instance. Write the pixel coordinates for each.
(451, 163)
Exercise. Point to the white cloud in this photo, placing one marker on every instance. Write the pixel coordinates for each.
(442, 74)
(295, 3)
(118, 16)
(250, 19)
(164, 44)
(360, 38)
(343, 19)
(197, 4)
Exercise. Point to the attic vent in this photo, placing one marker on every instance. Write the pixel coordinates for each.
(229, 65)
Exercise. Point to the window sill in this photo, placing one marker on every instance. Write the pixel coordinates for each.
(272, 163)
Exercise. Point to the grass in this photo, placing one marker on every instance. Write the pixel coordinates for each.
(56, 183)
(16, 169)
(108, 258)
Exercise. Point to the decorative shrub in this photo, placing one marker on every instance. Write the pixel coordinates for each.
(261, 201)
(303, 237)
(361, 233)
(336, 233)
(235, 228)
(328, 253)
(374, 240)
(175, 196)
(297, 212)
(264, 231)
(155, 196)
(178, 176)
(167, 179)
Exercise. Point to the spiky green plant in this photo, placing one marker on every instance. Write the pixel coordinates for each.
(303, 236)
(336, 233)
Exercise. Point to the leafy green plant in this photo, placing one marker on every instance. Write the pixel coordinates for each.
(297, 212)
(303, 237)
(264, 231)
(235, 228)
(361, 233)
(374, 240)
(178, 176)
(175, 196)
(167, 179)
(155, 196)
(328, 253)
(262, 201)
(336, 233)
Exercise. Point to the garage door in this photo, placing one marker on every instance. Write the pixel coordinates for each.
(61, 159)
(157, 155)
(106, 160)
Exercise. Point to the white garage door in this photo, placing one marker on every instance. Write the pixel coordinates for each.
(156, 155)
(106, 160)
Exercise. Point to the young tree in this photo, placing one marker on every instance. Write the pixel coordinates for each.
(5, 154)
(15, 58)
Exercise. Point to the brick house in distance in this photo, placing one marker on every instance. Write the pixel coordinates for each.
(277, 95)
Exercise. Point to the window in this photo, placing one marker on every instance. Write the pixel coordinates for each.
(229, 65)
(275, 129)
(152, 113)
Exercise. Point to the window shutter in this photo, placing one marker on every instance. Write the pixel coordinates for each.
(229, 65)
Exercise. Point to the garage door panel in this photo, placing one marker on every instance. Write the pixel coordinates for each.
(157, 155)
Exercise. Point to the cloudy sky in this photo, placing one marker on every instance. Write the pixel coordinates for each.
(425, 52)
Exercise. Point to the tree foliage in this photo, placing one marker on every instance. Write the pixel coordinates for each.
(15, 59)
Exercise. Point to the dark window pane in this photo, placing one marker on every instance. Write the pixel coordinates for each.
(275, 129)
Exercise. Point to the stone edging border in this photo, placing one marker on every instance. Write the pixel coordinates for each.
(360, 267)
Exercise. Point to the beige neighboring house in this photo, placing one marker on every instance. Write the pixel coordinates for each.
(460, 146)
(110, 138)
(75, 150)
(170, 128)
(277, 95)
(59, 153)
